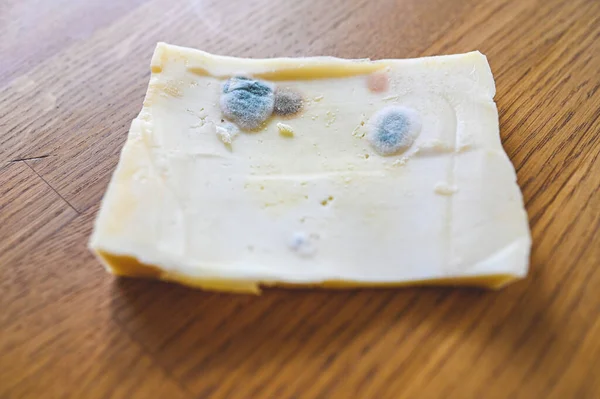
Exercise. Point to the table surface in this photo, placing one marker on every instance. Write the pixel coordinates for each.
(73, 75)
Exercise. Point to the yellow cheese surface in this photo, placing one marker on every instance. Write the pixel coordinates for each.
(315, 172)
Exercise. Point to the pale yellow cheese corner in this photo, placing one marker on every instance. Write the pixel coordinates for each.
(311, 198)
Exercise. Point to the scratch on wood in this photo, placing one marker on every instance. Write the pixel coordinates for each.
(29, 159)
(48, 184)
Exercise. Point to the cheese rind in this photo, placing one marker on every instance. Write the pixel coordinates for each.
(189, 203)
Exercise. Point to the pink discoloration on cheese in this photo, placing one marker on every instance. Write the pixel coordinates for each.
(378, 82)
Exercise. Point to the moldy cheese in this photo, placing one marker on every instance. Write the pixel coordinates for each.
(317, 171)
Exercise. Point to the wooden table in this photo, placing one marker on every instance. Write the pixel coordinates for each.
(73, 75)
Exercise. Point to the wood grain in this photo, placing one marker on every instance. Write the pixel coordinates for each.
(73, 75)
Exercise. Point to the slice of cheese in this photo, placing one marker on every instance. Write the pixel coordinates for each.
(317, 171)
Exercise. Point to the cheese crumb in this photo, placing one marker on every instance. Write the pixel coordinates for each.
(400, 162)
(226, 132)
(444, 188)
(285, 130)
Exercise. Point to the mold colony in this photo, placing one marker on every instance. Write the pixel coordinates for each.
(287, 102)
(393, 129)
(247, 102)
